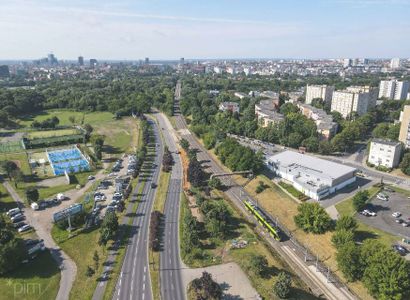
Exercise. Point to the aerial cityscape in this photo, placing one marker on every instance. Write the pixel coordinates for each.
(171, 150)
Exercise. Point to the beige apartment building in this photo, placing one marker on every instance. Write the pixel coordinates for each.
(355, 99)
(404, 136)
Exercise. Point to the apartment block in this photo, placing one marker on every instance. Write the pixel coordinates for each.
(324, 122)
(404, 135)
(319, 91)
(385, 153)
(355, 99)
(394, 89)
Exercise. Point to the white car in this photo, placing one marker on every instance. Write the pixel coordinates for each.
(370, 213)
(382, 197)
(24, 228)
(396, 214)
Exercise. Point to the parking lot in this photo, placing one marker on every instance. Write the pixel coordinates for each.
(384, 209)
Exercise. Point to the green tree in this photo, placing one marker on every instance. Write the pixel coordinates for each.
(12, 249)
(386, 274)
(96, 259)
(348, 261)
(282, 286)
(32, 194)
(405, 164)
(8, 166)
(89, 272)
(205, 288)
(347, 223)
(360, 199)
(215, 183)
(258, 264)
(195, 174)
(17, 176)
(184, 144)
(342, 237)
(313, 218)
(108, 227)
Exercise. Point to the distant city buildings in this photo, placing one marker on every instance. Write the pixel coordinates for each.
(323, 92)
(147, 61)
(385, 153)
(395, 63)
(229, 106)
(4, 71)
(81, 61)
(93, 63)
(52, 60)
(354, 99)
(404, 135)
(394, 89)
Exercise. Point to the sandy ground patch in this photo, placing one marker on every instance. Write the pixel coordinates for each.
(232, 279)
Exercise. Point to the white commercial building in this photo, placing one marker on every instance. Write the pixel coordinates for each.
(319, 91)
(385, 153)
(394, 89)
(314, 177)
(354, 99)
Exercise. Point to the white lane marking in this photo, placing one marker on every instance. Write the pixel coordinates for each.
(143, 296)
(143, 286)
(145, 269)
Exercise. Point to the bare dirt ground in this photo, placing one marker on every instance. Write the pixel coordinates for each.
(232, 279)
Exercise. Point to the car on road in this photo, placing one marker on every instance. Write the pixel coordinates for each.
(387, 189)
(400, 249)
(382, 197)
(91, 177)
(399, 221)
(405, 224)
(153, 185)
(396, 214)
(24, 228)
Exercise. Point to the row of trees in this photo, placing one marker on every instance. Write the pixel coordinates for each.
(49, 123)
(109, 227)
(155, 230)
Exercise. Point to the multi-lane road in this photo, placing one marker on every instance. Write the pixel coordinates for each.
(289, 249)
(170, 262)
(134, 280)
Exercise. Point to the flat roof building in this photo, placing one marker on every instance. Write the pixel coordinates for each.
(354, 99)
(385, 153)
(314, 177)
(266, 113)
(324, 122)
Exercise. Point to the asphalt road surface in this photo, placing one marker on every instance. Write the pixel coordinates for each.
(134, 279)
(170, 262)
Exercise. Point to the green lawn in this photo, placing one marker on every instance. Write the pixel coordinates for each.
(37, 280)
(92, 118)
(51, 133)
(19, 158)
(81, 249)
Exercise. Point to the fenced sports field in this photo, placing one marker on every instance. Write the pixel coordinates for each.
(67, 160)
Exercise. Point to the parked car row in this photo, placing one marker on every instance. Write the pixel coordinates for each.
(132, 164)
(404, 223)
(17, 217)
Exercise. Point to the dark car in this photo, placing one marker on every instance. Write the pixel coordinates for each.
(18, 219)
(42, 204)
(153, 185)
(400, 249)
(18, 225)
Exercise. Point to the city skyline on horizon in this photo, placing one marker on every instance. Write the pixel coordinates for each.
(167, 30)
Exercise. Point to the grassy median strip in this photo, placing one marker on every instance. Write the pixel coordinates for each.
(159, 204)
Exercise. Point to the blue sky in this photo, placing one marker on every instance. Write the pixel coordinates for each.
(169, 29)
